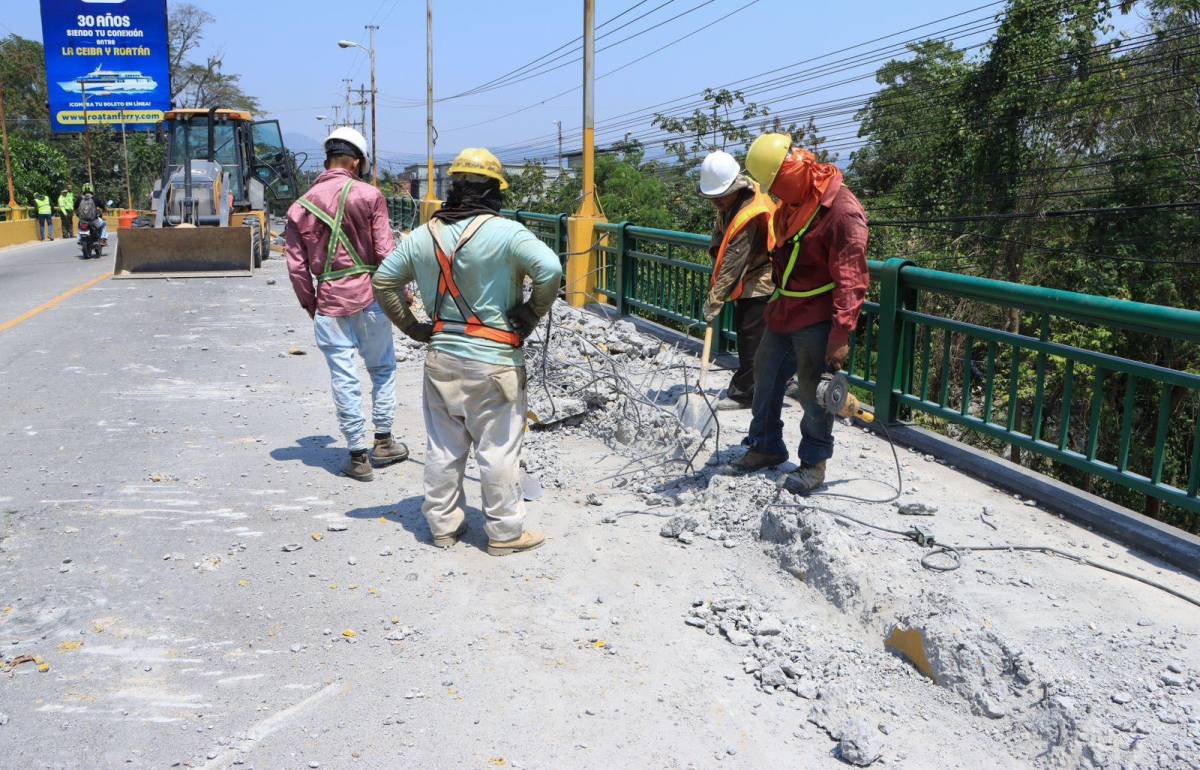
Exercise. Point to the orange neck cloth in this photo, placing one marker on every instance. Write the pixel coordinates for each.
(801, 184)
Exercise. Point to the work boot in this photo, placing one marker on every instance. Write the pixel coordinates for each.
(526, 542)
(728, 404)
(387, 450)
(449, 541)
(805, 479)
(755, 460)
(359, 466)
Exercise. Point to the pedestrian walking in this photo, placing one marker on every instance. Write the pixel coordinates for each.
(470, 265)
(336, 235)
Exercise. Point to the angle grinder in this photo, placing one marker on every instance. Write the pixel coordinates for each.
(834, 396)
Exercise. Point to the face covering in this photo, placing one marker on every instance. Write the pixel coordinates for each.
(801, 184)
(467, 199)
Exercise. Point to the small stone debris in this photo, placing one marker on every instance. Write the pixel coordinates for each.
(677, 525)
(291, 547)
(860, 743)
(336, 527)
(594, 499)
(915, 509)
(1121, 697)
(297, 648)
(270, 282)
(687, 537)
(352, 561)
(1170, 679)
(3, 719)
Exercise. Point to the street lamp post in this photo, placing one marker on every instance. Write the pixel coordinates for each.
(370, 49)
(12, 195)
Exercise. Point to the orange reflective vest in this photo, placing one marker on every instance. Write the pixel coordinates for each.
(471, 325)
(760, 205)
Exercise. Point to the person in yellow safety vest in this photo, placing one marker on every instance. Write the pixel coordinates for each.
(741, 250)
(66, 211)
(337, 233)
(471, 264)
(45, 216)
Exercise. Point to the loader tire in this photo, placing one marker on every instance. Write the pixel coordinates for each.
(255, 239)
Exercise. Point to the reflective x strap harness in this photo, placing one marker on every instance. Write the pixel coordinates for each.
(780, 291)
(337, 238)
(471, 325)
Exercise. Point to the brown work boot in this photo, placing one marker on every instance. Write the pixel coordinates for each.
(359, 466)
(387, 450)
(449, 541)
(755, 460)
(526, 542)
(805, 479)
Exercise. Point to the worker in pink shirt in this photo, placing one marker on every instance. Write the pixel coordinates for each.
(337, 235)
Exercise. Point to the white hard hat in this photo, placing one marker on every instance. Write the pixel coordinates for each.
(718, 172)
(350, 136)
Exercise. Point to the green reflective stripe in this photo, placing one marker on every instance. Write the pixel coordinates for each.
(787, 273)
(337, 237)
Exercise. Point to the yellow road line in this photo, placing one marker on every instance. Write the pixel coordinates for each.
(47, 305)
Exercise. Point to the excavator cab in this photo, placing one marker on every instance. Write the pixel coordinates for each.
(224, 174)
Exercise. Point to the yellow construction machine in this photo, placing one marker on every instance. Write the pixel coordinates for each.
(223, 174)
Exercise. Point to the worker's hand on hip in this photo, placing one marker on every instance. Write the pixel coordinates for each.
(523, 320)
(419, 331)
(836, 354)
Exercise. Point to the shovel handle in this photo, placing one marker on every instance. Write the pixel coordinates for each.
(704, 356)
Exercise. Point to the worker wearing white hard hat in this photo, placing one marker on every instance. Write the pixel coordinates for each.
(337, 235)
(740, 249)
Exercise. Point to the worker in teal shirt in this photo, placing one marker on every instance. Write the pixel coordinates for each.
(470, 265)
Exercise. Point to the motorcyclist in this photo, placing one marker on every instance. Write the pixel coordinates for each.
(89, 201)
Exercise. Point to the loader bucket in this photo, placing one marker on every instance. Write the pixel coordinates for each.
(184, 252)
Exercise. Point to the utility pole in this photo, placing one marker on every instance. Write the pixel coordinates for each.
(430, 207)
(582, 262)
(12, 192)
(347, 106)
(337, 115)
(125, 149)
(87, 135)
(374, 126)
(559, 124)
(362, 107)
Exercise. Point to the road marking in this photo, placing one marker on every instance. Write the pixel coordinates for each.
(47, 305)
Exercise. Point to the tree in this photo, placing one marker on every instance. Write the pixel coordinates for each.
(23, 75)
(712, 127)
(200, 85)
(38, 168)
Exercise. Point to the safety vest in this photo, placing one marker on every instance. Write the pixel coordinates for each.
(66, 203)
(471, 325)
(780, 291)
(337, 238)
(43, 204)
(760, 205)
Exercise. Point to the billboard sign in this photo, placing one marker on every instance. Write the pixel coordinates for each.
(108, 57)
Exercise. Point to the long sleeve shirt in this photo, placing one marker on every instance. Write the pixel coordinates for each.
(834, 250)
(366, 225)
(746, 255)
(490, 272)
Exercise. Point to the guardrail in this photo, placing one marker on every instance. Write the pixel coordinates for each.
(403, 212)
(1034, 386)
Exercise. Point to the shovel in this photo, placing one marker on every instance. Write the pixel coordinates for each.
(696, 413)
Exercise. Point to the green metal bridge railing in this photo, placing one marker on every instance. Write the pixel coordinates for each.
(403, 212)
(1043, 391)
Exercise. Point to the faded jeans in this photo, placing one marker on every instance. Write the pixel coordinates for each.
(780, 355)
(473, 404)
(45, 224)
(368, 333)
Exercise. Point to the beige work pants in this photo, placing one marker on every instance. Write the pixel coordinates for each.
(473, 404)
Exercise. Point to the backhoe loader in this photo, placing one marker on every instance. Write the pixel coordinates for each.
(223, 173)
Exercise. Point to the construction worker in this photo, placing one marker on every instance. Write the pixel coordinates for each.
(740, 249)
(470, 265)
(336, 235)
(66, 211)
(45, 216)
(821, 278)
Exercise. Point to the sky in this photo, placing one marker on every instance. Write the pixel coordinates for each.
(287, 55)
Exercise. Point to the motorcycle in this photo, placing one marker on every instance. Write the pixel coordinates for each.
(89, 240)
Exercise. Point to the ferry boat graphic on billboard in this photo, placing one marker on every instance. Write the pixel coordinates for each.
(101, 82)
(106, 63)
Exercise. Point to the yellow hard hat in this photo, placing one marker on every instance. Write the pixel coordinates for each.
(766, 156)
(477, 160)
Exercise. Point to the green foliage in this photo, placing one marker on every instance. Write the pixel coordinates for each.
(38, 168)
